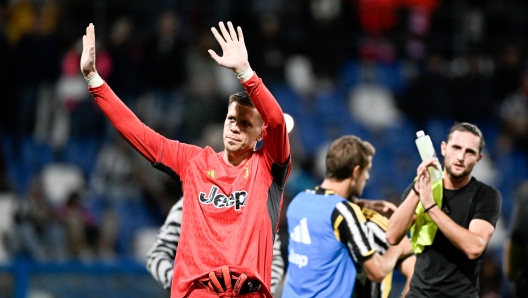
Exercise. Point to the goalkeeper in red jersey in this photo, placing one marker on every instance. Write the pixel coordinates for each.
(233, 197)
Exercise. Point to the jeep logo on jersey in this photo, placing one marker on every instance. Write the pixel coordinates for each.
(220, 200)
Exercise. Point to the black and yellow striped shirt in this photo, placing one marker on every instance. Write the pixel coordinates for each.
(377, 225)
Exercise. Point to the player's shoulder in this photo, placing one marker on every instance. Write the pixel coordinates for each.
(349, 210)
(486, 190)
(303, 196)
(375, 217)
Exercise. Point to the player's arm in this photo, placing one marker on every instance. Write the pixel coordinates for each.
(403, 218)
(142, 138)
(277, 265)
(276, 141)
(350, 228)
(381, 206)
(160, 258)
(235, 57)
(406, 267)
(146, 141)
(472, 241)
(515, 248)
(377, 224)
(514, 259)
(378, 266)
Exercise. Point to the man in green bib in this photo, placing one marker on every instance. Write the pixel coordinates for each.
(451, 222)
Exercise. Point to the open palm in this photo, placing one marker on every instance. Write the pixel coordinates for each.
(235, 56)
(88, 53)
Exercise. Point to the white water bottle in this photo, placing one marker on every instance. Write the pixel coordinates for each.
(427, 151)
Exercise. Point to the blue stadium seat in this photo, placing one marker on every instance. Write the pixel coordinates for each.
(437, 129)
(400, 136)
(288, 99)
(82, 152)
(7, 146)
(35, 154)
(133, 216)
(491, 131)
(312, 132)
(332, 106)
(350, 73)
(21, 176)
(513, 168)
(391, 76)
(354, 127)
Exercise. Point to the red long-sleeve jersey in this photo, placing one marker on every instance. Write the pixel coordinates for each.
(230, 213)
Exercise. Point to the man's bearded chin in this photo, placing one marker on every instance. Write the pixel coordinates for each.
(457, 176)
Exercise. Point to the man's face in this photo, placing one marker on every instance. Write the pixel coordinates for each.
(461, 154)
(242, 128)
(358, 184)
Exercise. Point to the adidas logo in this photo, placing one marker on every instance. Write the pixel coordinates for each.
(300, 233)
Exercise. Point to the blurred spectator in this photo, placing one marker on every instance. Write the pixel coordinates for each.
(300, 76)
(377, 49)
(516, 247)
(268, 45)
(364, 96)
(166, 53)
(40, 235)
(165, 75)
(429, 95)
(7, 209)
(507, 73)
(490, 278)
(472, 93)
(158, 190)
(6, 184)
(8, 201)
(378, 16)
(20, 20)
(67, 110)
(6, 117)
(203, 106)
(59, 180)
(84, 116)
(116, 194)
(514, 118)
(80, 227)
(36, 50)
(325, 50)
(113, 177)
(127, 53)
(486, 170)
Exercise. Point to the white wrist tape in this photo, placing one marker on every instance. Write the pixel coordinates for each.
(245, 75)
(95, 81)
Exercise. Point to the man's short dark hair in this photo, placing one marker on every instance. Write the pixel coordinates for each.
(242, 98)
(472, 128)
(345, 154)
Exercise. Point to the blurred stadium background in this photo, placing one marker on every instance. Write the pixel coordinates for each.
(79, 209)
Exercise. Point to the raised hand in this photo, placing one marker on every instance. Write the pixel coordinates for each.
(424, 187)
(431, 162)
(88, 53)
(235, 56)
